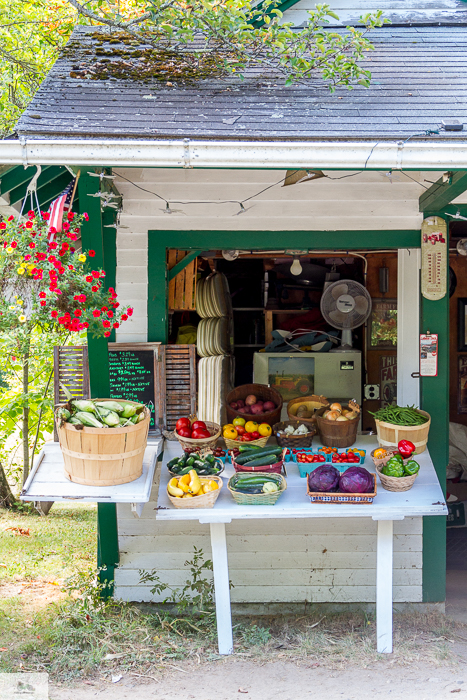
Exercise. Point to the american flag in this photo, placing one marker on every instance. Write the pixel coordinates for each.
(61, 206)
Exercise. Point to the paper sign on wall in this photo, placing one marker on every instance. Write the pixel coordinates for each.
(429, 355)
(434, 258)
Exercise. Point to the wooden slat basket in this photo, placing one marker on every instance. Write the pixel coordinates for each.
(390, 434)
(104, 456)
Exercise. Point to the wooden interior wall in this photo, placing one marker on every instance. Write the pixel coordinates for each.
(459, 265)
(373, 357)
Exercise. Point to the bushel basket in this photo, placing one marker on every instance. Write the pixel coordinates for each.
(104, 456)
(389, 434)
(337, 433)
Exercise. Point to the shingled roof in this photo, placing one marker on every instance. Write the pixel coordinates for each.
(419, 77)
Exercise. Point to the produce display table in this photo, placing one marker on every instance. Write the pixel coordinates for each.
(47, 481)
(425, 498)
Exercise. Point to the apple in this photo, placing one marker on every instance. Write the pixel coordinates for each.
(200, 433)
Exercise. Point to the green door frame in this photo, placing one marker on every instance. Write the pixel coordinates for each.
(434, 315)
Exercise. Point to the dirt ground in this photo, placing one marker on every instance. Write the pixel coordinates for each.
(233, 678)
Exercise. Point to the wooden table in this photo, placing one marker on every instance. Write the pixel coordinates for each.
(47, 481)
(425, 498)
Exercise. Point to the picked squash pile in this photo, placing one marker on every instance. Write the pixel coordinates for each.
(191, 485)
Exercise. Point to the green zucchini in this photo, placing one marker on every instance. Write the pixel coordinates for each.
(252, 479)
(248, 448)
(172, 462)
(245, 458)
(264, 461)
(251, 489)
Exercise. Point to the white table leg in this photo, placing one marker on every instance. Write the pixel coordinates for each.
(384, 564)
(221, 588)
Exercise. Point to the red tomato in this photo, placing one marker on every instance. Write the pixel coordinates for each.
(184, 432)
(240, 429)
(198, 424)
(199, 434)
(246, 437)
(255, 435)
(182, 423)
(309, 458)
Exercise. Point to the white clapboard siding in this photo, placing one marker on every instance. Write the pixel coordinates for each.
(132, 277)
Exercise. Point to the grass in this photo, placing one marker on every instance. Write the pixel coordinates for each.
(70, 633)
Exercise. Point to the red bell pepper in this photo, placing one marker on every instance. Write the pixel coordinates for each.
(406, 448)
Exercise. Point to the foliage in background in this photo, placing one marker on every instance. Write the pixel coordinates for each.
(236, 34)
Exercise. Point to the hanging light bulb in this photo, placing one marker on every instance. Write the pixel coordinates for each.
(296, 268)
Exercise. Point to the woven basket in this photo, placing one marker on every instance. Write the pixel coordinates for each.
(337, 433)
(389, 435)
(294, 441)
(313, 404)
(213, 428)
(261, 391)
(384, 460)
(103, 456)
(275, 468)
(255, 499)
(232, 444)
(338, 497)
(207, 500)
(396, 483)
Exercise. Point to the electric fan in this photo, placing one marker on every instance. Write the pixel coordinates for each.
(345, 305)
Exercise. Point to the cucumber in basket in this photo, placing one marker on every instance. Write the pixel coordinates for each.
(246, 457)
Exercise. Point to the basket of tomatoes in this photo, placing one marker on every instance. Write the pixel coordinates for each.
(241, 431)
(197, 434)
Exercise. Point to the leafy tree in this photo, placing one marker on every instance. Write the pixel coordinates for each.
(237, 34)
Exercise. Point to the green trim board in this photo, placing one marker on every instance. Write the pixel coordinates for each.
(442, 192)
(280, 5)
(182, 264)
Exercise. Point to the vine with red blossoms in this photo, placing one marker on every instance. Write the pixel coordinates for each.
(47, 281)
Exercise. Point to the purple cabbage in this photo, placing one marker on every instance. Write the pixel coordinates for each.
(324, 478)
(356, 480)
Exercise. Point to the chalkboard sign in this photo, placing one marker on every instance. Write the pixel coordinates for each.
(133, 374)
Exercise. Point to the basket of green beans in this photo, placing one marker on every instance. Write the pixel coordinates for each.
(395, 423)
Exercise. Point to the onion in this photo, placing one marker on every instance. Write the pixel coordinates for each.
(352, 415)
(333, 415)
(325, 414)
(341, 418)
(336, 407)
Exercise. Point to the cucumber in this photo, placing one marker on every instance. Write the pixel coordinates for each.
(246, 457)
(264, 461)
(172, 462)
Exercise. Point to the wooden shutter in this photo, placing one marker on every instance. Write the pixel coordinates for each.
(72, 370)
(177, 383)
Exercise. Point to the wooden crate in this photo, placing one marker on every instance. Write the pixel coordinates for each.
(72, 370)
(182, 289)
(177, 382)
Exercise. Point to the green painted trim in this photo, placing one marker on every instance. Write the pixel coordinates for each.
(17, 176)
(282, 6)
(158, 312)
(435, 400)
(280, 240)
(182, 264)
(442, 193)
(50, 183)
(107, 545)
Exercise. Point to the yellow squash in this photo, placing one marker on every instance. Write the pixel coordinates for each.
(195, 483)
(173, 489)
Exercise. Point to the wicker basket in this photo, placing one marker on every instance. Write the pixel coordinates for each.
(261, 391)
(232, 444)
(339, 497)
(383, 460)
(396, 483)
(103, 456)
(313, 403)
(256, 499)
(294, 441)
(275, 468)
(389, 435)
(210, 442)
(207, 500)
(337, 433)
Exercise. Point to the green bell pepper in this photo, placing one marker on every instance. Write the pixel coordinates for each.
(399, 457)
(412, 467)
(394, 467)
